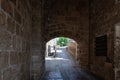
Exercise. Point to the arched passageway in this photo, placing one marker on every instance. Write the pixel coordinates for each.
(26, 26)
(70, 44)
(61, 61)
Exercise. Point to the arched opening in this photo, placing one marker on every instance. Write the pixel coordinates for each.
(61, 42)
(61, 61)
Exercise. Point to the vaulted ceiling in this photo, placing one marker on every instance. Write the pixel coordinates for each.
(61, 17)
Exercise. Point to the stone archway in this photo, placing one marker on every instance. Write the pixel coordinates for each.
(57, 63)
(82, 41)
(72, 46)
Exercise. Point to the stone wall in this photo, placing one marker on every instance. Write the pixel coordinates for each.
(15, 30)
(37, 54)
(117, 52)
(72, 49)
(37, 41)
(104, 14)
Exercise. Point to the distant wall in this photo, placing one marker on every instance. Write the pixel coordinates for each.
(72, 49)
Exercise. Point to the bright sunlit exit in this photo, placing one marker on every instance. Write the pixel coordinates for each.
(53, 47)
(61, 57)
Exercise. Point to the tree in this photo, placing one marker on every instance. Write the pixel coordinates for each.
(62, 41)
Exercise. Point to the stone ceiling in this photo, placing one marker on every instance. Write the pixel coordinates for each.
(61, 16)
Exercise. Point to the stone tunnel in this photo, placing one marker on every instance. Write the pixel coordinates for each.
(26, 26)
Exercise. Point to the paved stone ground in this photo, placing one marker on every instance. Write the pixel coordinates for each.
(64, 67)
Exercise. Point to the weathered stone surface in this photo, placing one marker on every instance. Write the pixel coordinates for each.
(11, 25)
(2, 20)
(7, 74)
(72, 49)
(14, 40)
(118, 75)
(14, 1)
(0, 75)
(117, 51)
(14, 58)
(103, 20)
(7, 6)
(5, 40)
(14, 44)
(4, 59)
(17, 16)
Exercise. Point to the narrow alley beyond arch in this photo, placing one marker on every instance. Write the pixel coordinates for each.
(64, 67)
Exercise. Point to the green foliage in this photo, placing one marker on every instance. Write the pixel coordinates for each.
(62, 41)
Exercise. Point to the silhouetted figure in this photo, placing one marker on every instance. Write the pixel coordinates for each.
(48, 50)
(54, 55)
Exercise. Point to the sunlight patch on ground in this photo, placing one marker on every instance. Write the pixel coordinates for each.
(63, 47)
(56, 58)
(59, 51)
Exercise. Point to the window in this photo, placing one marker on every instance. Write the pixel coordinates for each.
(101, 46)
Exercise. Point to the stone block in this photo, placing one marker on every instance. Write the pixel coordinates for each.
(24, 57)
(7, 74)
(5, 40)
(19, 44)
(2, 20)
(14, 58)
(18, 30)
(11, 25)
(17, 16)
(7, 6)
(4, 59)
